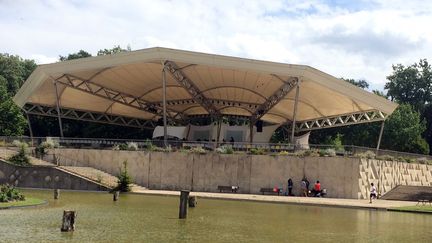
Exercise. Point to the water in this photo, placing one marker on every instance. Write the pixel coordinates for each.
(139, 218)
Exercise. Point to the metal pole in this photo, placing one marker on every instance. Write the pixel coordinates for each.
(164, 105)
(30, 128)
(295, 112)
(58, 109)
(380, 136)
(251, 131)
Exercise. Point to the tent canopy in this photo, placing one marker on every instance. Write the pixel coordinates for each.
(129, 85)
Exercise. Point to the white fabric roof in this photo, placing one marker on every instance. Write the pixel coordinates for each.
(223, 80)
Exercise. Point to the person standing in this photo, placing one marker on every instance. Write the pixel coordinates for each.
(304, 187)
(373, 193)
(290, 187)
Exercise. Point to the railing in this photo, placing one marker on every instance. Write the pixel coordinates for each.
(142, 144)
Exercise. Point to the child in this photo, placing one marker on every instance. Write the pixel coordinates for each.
(373, 193)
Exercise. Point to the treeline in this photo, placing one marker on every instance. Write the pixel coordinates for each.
(408, 129)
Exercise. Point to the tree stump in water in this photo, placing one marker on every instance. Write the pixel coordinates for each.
(184, 195)
(116, 195)
(68, 221)
(192, 201)
(56, 193)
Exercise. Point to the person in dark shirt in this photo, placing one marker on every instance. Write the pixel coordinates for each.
(290, 187)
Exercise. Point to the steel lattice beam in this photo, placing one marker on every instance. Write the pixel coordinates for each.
(191, 88)
(215, 102)
(89, 116)
(277, 96)
(342, 120)
(111, 94)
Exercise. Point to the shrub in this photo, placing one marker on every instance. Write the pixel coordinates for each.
(131, 146)
(123, 179)
(198, 150)
(366, 155)
(9, 193)
(308, 153)
(21, 157)
(283, 153)
(123, 146)
(225, 150)
(149, 145)
(327, 152)
(385, 157)
(257, 151)
(423, 160)
(116, 147)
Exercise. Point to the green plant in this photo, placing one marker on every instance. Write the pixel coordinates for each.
(198, 150)
(257, 151)
(21, 157)
(225, 150)
(308, 153)
(366, 155)
(385, 157)
(123, 146)
(131, 146)
(9, 193)
(123, 179)
(283, 153)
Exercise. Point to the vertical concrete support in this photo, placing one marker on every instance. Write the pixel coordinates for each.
(58, 109)
(295, 113)
(184, 198)
(164, 105)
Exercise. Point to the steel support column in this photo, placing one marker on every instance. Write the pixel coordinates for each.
(30, 128)
(295, 113)
(379, 137)
(251, 131)
(58, 109)
(164, 106)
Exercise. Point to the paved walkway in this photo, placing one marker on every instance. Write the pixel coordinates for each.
(336, 202)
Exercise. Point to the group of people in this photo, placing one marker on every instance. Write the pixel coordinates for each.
(304, 185)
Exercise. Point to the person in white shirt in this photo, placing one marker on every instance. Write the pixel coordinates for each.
(373, 193)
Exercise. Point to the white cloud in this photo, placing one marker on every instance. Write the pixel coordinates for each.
(358, 39)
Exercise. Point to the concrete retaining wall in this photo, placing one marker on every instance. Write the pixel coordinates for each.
(44, 177)
(343, 177)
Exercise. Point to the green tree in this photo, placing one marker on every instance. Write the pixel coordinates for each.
(114, 50)
(79, 54)
(12, 121)
(403, 131)
(359, 83)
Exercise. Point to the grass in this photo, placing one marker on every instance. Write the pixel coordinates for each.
(417, 208)
(27, 202)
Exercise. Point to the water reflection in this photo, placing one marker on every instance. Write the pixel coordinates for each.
(154, 219)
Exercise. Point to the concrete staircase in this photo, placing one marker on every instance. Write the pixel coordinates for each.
(409, 193)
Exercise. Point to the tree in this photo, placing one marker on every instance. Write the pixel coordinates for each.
(114, 50)
(12, 121)
(411, 84)
(359, 83)
(79, 54)
(403, 131)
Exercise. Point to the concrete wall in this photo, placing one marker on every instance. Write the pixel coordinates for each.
(389, 174)
(44, 177)
(343, 177)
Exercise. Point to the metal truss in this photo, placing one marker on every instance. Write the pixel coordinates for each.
(111, 94)
(277, 96)
(342, 120)
(191, 88)
(82, 115)
(216, 102)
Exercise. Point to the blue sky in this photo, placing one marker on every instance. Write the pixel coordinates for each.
(351, 39)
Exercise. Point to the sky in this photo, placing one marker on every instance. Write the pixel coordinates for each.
(352, 39)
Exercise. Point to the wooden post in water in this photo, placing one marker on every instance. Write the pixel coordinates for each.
(56, 193)
(192, 201)
(116, 195)
(68, 221)
(184, 195)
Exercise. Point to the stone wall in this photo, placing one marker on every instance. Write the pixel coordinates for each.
(343, 177)
(44, 177)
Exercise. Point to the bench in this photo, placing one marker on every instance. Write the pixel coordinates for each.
(424, 201)
(228, 188)
(271, 190)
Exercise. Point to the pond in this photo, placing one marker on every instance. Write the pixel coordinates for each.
(143, 218)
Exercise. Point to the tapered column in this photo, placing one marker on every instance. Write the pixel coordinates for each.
(164, 106)
(58, 109)
(295, 113)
